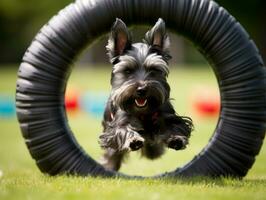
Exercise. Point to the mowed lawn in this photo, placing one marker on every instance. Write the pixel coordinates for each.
(21, 179)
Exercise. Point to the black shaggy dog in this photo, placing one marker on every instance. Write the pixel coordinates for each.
(139, 115)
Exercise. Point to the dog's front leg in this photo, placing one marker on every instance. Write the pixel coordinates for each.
(117, 145)
(120, 137)
(175, 138)
(176, 129)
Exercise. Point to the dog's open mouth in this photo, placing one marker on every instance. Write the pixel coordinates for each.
(140, 102)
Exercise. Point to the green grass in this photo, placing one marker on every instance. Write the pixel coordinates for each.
(21, 178)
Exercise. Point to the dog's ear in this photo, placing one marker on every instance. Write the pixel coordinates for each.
(158, 39)
(119, 39)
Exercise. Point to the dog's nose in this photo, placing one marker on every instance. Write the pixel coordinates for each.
(141, 91)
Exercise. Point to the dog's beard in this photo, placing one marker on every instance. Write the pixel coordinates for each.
(127, 99)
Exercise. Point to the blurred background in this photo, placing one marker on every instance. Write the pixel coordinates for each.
(194, 86)
(20, 20)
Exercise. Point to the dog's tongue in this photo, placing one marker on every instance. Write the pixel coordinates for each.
(141, 102)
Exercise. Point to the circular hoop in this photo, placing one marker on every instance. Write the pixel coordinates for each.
(237, 64)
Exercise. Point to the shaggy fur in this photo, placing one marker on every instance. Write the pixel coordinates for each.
(139, 115)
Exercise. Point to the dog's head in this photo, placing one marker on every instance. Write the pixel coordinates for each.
(140, 70)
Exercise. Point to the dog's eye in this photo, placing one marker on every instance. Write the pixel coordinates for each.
(128, 71)
(154, 70)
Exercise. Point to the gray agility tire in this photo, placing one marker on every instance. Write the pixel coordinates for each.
(236, 62)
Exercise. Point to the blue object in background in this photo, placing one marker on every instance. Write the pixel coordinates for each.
(7, 106)
(94, 103)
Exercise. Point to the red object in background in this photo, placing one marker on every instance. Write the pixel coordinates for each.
(208, 108)
(207, 103)
(72, 100)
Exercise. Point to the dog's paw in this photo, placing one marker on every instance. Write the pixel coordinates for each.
(136, 144)
(135, 141)
(177, 142)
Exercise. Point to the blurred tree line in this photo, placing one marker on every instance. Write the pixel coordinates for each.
(251, 14)
(20, 20)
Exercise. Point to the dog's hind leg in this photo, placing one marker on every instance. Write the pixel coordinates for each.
(152, 151)
(112, 159)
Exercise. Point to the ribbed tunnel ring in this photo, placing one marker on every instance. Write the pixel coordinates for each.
(235, 60)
